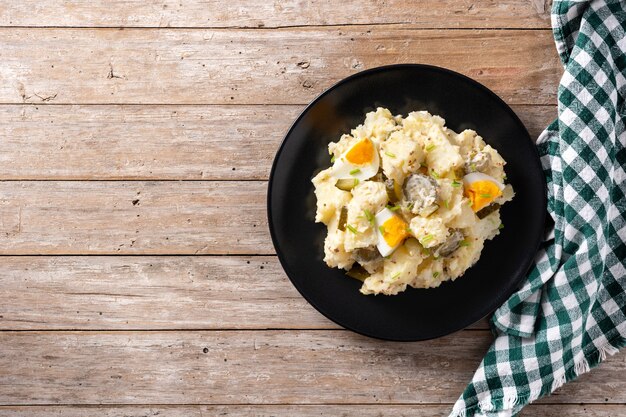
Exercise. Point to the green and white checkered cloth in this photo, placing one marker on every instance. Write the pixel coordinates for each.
(570, 312)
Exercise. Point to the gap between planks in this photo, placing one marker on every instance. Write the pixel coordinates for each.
(286, 410)
(156, 404)
(223, 329)
(407, 24)
(267, 405)
(208, 104)
(260, 14)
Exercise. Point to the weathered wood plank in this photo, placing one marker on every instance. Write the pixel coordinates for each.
(232, 367)
(259, 13)
(365, 410)
(255, 367)
(151, 293)
(180, 292)
(126, 142)
(133, 218)
(283, 66)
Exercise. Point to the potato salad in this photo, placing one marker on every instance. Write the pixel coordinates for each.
(409, 202)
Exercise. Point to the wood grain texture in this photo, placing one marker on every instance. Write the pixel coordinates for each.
(232, 367)
(126, 142)
(208, 96)
(196, 292)
(152, 292)
(256, 367)
(259, 13)
(369, 410)
(283, 66)
(133, 218)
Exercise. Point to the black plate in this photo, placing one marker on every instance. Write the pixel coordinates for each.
(416, 314)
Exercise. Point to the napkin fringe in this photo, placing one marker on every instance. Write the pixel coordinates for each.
(581, 366)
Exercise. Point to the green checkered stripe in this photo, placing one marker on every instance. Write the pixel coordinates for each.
(570, 312)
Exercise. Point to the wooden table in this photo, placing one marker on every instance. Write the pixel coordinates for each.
(136, 137)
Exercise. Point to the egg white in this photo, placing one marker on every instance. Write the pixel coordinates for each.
(344, 169)
(382, 245)
(473, 177)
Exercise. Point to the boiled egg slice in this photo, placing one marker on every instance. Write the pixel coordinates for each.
(481, 189)
(391, 231)
(360, 162)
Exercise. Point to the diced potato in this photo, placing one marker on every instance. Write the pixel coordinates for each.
(466, 216)
(378, 126)
(430, 274)
(429, 231)
(507, 195)
(335, 254)
(330, 199)
(399, 269)
(496, 167)
(468, 142)
(442, 156)
(370, 196)
(400, 156)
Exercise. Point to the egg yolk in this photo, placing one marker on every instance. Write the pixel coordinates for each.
(481, 194)
(394, 231)
(361, 153)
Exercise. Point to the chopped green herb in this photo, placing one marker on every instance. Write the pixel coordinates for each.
(332, 160)
(393, 208)
(455, 183)
(351, 228)
(390, 155)
(356, 182)
(369, 216)
(464, 243)
(408, 230)
(501, 226)
(435, 274)
(395, 276)
(381, 229)
(410, 206)
(486, 195)
(473, 167)
(424, 240)
(446, 204)
(434, 175)
(355, 171)
(430, 147)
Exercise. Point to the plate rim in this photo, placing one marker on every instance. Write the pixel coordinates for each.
(499, 301)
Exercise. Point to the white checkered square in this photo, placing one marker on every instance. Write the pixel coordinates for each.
(569, 155)
(618, 270)
(530, 364)
(567, 117)
(602, 116)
